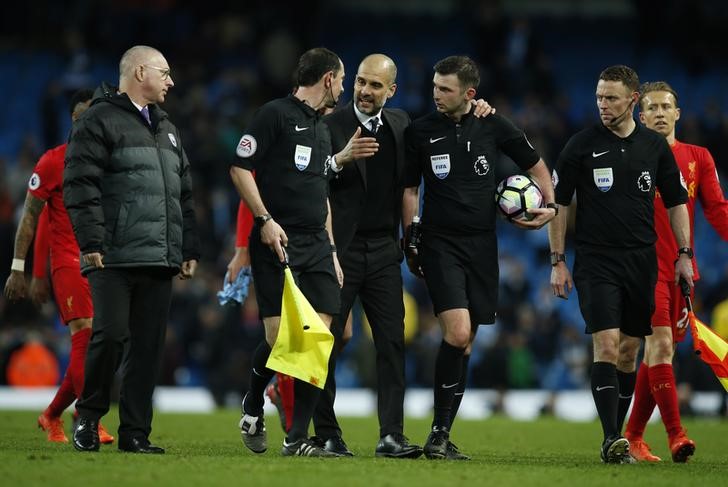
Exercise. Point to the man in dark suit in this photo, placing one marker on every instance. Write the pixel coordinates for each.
(366, 197)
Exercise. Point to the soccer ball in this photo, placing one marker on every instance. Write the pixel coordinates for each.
(515, 194)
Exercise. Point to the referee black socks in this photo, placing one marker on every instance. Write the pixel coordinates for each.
(260, 376)
(448, 371)
(605, 389)
(458, 397)
(626, 381)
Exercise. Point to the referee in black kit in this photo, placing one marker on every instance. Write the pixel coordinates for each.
(455, 152)
(289, 147)
(615, 167)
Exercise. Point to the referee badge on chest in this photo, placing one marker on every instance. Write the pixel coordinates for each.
(440, 165)
(603, 178)
(302, 157)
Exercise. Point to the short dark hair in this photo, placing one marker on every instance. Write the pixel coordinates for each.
(314, 63)
(625, 74)
(462, 66)
(656, 86)
(81, 96)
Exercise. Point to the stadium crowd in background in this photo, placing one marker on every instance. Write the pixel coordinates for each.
(231, 65)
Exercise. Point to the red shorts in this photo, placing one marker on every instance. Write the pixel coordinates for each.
(670, 310)
(73, 295)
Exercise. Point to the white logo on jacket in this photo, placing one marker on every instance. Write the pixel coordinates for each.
(604, 178)
(440, 165)
(34, 182)
(172, 139)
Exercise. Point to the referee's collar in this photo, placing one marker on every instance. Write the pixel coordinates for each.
(637, 129)
(309, 111)
(464, 118)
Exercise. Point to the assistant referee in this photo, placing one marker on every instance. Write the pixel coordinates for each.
(615, 168)
(289, 147)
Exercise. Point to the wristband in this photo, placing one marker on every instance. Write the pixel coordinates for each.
(18, 265)
(685, 250)
(556, 258)
(263, 219)
(553, 206)
(333, 248)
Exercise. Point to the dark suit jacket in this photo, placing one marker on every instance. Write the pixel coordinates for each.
(348, 187)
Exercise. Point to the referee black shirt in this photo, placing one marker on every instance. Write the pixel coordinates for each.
(456, 160)
(289, 148)
(615, 181)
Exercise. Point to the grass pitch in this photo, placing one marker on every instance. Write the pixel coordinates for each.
(207, 450)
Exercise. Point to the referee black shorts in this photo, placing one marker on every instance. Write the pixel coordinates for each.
(461, 271)
(616, 288)
(310, 260)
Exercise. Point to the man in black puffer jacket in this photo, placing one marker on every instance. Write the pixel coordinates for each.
(128, 192)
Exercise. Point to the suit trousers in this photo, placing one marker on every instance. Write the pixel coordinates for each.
(131, 307)
(372, 271)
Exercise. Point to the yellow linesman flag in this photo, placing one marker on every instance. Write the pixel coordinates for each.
(304, 343)
(713, 350)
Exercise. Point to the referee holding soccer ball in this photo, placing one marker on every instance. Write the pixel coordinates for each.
(615, 167)
(458, 256)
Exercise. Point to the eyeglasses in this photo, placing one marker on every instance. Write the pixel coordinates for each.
(166, 73)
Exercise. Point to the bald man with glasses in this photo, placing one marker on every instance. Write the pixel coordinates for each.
(128, 192)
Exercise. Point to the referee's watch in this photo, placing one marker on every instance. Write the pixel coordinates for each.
(685, 250)
(554, 206)
(556, 258)
(263, 219)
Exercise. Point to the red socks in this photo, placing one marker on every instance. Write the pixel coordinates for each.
(662, 385)
(72, 384)
(655, 385)
(285, 390)
(79, 344)
(643, 405)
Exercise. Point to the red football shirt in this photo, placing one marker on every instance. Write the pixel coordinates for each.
(46, 183)
(701, 181)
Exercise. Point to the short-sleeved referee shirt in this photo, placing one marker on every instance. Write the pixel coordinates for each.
(289, 148)
(615, 181)
(456, 160)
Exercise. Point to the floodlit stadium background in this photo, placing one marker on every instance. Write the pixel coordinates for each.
(540, 62)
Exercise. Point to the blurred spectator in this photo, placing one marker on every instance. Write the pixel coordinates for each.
(231, 61)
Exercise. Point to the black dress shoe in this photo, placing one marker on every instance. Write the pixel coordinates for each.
(396, 445)
(139, 445)
(336, 444)
(86, 435)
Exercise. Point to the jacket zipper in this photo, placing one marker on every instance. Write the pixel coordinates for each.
(166, 210)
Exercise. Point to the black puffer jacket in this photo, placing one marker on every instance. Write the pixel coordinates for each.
(127, 186)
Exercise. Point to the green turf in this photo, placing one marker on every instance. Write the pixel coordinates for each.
(206, 450)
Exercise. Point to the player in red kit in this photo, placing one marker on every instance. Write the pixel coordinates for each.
(655, 378)
(73, 298)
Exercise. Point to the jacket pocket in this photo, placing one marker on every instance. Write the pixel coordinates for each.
(118, 237)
